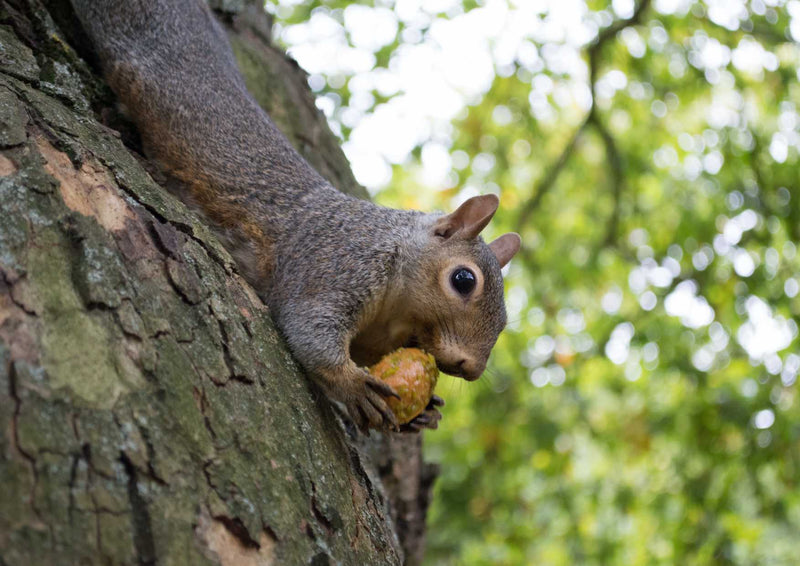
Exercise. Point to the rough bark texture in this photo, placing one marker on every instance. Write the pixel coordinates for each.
(150, 412)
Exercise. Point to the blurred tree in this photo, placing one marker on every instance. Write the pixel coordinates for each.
(642, 406)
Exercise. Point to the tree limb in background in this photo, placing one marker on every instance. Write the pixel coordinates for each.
(549, 180)
(547, 183)
(617, 177)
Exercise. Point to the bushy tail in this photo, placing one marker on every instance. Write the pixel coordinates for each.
(170, 64)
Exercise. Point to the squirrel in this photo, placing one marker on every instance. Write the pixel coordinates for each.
(346, 281)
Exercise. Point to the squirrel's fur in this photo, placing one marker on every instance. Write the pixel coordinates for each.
(346, 281)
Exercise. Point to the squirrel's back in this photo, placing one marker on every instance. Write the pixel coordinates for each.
(209, 134)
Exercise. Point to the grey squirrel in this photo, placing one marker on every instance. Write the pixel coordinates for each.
(346, 281)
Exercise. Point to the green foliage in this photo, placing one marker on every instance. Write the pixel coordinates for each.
(642, 406)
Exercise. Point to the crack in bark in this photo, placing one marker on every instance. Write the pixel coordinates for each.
(236, 527)
(207, 464)
(246, 326)
(143, 539)
(270, 532)
(151, 454)
(171, 277)
(200, 399)
(226, 354)
(355, 458)
(305, 526)
(10, 285)
(183, 228)
(165, 239)
(317, 512)
(30, 458)
(73, 476)
(20, 77)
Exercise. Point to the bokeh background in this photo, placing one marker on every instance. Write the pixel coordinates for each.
(642, 406)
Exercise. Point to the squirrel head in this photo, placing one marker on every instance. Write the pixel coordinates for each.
(457, 291)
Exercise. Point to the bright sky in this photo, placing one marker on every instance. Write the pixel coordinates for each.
(431, 79)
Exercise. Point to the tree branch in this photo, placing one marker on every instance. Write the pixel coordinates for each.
(549, 180)
(616, 169)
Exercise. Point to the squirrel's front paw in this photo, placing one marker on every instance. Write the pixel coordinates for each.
(429, 418)
(363, 396)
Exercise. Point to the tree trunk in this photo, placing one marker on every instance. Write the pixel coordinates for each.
(151, 413)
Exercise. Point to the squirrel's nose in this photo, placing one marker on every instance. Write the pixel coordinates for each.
(457, 362)
(469, 369)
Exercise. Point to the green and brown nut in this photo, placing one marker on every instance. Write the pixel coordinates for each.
(413, 374)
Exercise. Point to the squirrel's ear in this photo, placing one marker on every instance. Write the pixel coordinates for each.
(505, 247)
(468, 219)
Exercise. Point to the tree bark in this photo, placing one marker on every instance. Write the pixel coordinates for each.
(151, 414)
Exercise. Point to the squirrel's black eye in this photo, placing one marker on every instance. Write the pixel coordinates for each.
(463, 281)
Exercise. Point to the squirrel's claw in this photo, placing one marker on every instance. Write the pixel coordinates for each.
(359, 418)
(380, 406)
(368, 409)
(429, 418)
(369, 413)
(382, 388)
(372, 412)
(363, 395)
